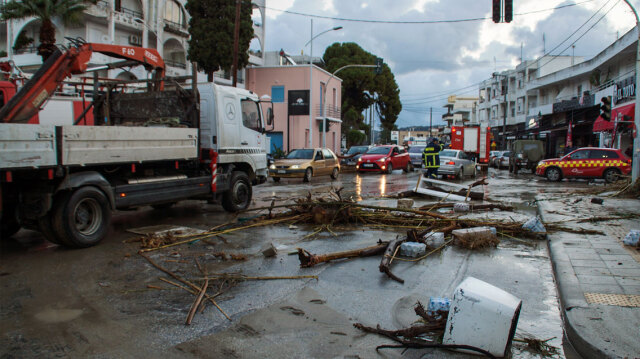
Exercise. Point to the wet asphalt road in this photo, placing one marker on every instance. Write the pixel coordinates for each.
(108, 302)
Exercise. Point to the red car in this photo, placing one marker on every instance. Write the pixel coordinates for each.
(384, 159)
(587, 162)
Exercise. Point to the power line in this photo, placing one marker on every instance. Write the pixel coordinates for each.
(416, 22)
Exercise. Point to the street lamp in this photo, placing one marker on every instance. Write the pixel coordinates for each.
(635, 169)
(311, 79)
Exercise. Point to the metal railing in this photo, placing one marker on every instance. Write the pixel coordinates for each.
(329, 111)
(177, 64)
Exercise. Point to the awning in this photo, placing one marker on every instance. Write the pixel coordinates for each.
(622, 111)
(601, 125)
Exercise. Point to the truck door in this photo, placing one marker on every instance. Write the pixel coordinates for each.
(251, 129)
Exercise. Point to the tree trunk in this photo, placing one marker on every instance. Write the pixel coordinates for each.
(209, 76)
(47, 39)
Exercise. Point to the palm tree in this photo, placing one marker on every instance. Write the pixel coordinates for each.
(69, 11)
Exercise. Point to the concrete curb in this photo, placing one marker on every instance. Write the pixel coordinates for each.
(570, 294)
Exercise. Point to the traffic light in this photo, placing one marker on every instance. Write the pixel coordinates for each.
(508, 10)
(378, 65)
(496, 10)
(605, 108)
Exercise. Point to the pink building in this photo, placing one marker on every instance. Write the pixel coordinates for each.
(288, 87)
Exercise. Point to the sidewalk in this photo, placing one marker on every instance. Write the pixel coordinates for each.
(597, 276)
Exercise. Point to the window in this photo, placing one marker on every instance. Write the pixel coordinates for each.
(580, 155)
(318, 156)
(579, 91)
(327, 154)
(173, 14)
(250, 117)
(277, 94)
(599, 154)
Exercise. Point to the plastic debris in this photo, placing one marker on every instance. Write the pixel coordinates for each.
(413, 249)
(438, 305)
(632, 238)
(461, 207)
(597, 200)
(534, 225)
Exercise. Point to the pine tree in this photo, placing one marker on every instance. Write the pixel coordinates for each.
(212, 28)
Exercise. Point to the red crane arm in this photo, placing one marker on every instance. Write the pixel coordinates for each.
(27, 102)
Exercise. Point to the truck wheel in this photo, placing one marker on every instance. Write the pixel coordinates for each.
(81, 219)
(553, 174)
(335, 173)
(308, 173)
(46, 228)
(276, 179)
(8, 227)
(611, 175)
(238, 197)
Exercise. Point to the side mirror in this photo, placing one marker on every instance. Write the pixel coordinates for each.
(269, 116)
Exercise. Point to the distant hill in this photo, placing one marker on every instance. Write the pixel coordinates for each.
(418, 128)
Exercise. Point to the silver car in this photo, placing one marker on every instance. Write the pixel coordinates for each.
(456, 163)
(356, 152)
(502, 161)
(415, 152)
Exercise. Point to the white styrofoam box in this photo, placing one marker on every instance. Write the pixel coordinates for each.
(483, 316)
(631, 239)
(412, 249)
(438, 304)
(461, 207)
(534, 225)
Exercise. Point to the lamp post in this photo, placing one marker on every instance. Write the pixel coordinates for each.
(635, 169)
(311, 79)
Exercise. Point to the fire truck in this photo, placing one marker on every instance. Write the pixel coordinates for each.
(155, 147)
(475, 140)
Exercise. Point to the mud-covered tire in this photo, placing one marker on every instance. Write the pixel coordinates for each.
(408, 168)
(276, 179)
(81, 218)
(553, 174)
(390, 168)
(308, 173)
(238, 197)
(611, 175)
(45, 226)
(335, 173)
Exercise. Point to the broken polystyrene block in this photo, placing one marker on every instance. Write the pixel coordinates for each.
(405, 203)
(483, 316)
(434, 239)
(412, 249)
(471, 233)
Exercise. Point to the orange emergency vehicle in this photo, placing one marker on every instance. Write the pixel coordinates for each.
(587, 162)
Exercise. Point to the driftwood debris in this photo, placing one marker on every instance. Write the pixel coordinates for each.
(309, 260)
(197, 302)
(389, 253)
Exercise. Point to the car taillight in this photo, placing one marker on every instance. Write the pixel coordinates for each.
(451, 163)
(629, 161)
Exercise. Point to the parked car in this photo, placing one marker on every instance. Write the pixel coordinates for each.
(415, 153)
(384, 159)
(456, 163)
(525, 154)
(355, 152)
(587, 162)
(492, 157)
(502, 161)
(306, 163)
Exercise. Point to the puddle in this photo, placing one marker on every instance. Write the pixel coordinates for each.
(51, 315)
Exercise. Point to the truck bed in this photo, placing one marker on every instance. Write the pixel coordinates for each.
(35, 146)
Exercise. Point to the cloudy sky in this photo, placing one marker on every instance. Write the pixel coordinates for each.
(433, 60)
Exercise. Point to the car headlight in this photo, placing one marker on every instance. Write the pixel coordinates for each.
(383, 159)
(273, 167)
(295, 167)
(360, 159)
(520, 156)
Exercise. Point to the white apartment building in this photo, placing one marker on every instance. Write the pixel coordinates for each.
(460, 110)
(159, 24)
(541, 98)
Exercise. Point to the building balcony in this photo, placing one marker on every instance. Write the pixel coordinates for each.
(330, 111)
(175, 28)
(177, 64)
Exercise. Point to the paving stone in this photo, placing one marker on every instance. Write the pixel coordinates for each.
(625, 272)
(602, 288)
(632, 289)
(588, 263)
(616, 257)
(611, 250)
(627, 264)
(591, 271)
(597, 279)
(590, 256)
(628, 281)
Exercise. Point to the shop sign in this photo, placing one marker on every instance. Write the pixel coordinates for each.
(532, 122)
(298, 102)
(624, 89)
(574, 104)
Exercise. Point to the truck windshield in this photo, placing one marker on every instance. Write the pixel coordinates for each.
(306, 154)
(250, 115)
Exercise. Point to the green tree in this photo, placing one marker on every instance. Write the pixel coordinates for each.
(212, 27)
(361, 87)
(69, 11)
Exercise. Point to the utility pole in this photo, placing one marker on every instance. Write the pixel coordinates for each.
(236, 40)
(635, 156)
(506, 107)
